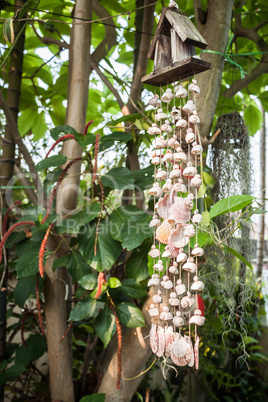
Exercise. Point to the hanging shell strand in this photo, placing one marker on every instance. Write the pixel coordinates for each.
(177, 309)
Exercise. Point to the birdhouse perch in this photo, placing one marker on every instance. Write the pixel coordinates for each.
(173, 49)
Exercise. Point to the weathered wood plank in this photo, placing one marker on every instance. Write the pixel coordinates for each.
(179, 50)
(185, 28)
(179, 71)
(157, 33)
(162, 57)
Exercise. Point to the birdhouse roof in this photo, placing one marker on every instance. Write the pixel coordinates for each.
(183, 26)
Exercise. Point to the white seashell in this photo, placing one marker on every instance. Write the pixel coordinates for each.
(178, 321)
(173, 270)
(179, 156)
(189, 107)
(154, 130)
(171, 142)
(190, 137)
(180, 186)
(180, 289)
(196, 89)
(153, 311)
(166, 127)
(175, 113)
(166, 253)
(168, 156)
(155, 160)
(168, 285)
(187, 301)
(160, 115)
(198, 320)
(161, 341)
(156, 190)
(157, 299)
(154, 252)
(188, 340)
(173, 4)
(159, 266)
(155, 222)
(154, 342)
(154, 101)
(189, 230)
(161, 174)
(176, 145)
(194, 119)
(181, 351)
(197, 251)
(196, 181)
(160, 142)
(197, 285)
(197, 218)
(182, 256)
(181, 123)
(153, 282)
(167, 186)
(163, 206)
(181, 92)
(178, 239)
(174, 301)
(190, 170)
(167, 96)
(190, 266)
(197, 149)
(196, 353)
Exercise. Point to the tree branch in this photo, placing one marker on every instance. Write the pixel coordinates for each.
(109, 85)
(18, 140)
(147, 29)
(48, 40)
(110, 35)
(260, 25)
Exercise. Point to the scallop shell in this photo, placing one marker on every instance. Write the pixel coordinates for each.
(196, 353)
(163, 232)
(180, 351)
(178, 239)
(179, 211)
(154, 252)
(180, 289)
(173, 250)
(154, 339)
(169, 339)
(161, 341)
(198, 320)
(188, 340)
(164, 205)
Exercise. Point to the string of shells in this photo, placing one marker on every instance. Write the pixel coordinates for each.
(177, 309)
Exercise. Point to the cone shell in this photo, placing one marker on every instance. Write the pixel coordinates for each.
(181, 351)
(163, 232)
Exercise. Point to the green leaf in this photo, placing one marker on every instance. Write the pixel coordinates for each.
(25, 8)
(93, 398)
(35, 347)
(89, 281)
(231, 204)
(121, 136)
(249, 339)
(25, 120)
(108, 250)
(83, 310)
(51, 161)
(27, 264)
(118, 217)
(25, 288)
(238, 255)
(8, 30)
(135, 230)
(77, 266)
(85, 140)
(263, 97)
(253, 118)
(11, 373)
(133, 289)
(208, 180)
(113, 283)
(105, 325)
(59, 131)
(137, 263)
(78, 220)
(215, 323)
(60, 262)
(129, 315)
(39, 126)
(118, 178)
(143, 178)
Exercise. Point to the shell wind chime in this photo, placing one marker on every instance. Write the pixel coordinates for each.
(177, 309)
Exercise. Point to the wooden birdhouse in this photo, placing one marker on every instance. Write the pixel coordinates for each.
(173, 49)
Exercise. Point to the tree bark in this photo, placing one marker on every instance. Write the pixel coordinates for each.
(135, 353)
(59, 354)
(260, 248)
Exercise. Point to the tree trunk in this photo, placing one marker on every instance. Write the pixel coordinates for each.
(60, 361)
(260, 248)
(215, 30)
